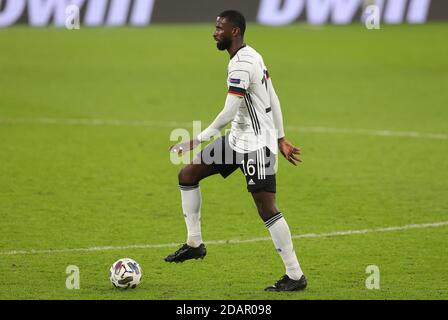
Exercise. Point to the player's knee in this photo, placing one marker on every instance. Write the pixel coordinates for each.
(183, 176)
(186, 177)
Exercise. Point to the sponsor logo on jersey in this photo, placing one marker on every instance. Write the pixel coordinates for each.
(233, 80)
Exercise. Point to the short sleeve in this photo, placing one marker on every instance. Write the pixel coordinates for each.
(238, 80)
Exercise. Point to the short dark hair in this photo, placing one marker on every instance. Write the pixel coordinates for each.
(236, 18)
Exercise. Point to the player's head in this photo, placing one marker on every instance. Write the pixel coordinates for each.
(230, 25)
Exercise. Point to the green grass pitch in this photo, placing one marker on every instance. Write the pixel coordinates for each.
(65, 184)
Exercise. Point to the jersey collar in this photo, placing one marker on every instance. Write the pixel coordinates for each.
(243, 46)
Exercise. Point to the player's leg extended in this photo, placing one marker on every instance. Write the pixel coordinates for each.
(281, 236)
(189, 178)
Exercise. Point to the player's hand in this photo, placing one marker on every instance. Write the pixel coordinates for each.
(181, 148)
(289, 151)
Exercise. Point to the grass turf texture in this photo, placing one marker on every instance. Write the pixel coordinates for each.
(79, 186)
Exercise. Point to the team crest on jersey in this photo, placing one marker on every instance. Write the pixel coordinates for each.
(233, 80)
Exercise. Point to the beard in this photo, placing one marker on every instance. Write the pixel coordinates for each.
(224, 44)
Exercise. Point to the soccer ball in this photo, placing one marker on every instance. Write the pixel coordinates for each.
(125, 273)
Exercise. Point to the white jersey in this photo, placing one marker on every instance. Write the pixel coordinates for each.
(253, 126)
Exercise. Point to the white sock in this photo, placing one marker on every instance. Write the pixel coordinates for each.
(191, 206)
(281, 236)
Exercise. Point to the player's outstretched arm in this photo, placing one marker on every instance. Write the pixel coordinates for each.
(233, 102)
(180, 148)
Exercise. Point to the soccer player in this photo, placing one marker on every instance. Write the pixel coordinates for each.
(256, 134)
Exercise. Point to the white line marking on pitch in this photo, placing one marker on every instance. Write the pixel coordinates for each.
(234, 241)
(174, 124)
